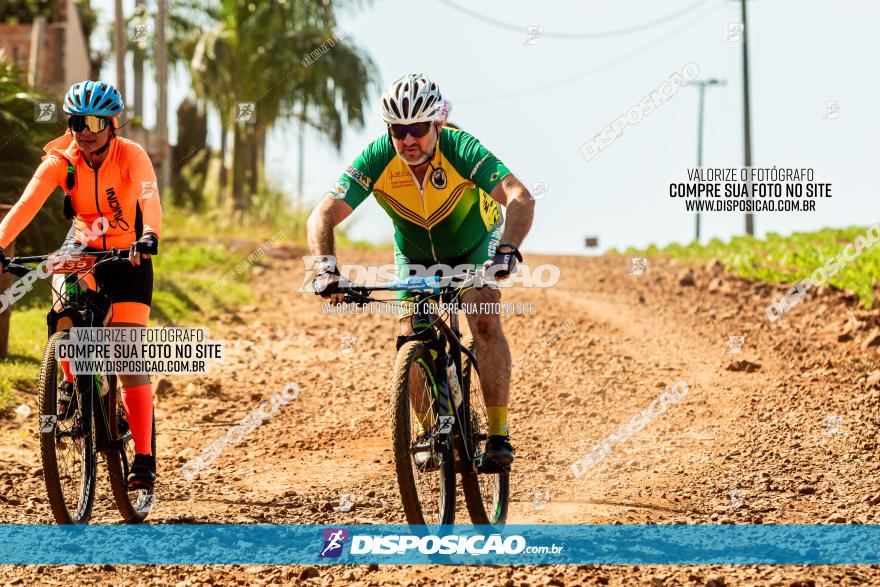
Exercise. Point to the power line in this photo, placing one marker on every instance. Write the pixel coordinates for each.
(577, 36)
(576, 77)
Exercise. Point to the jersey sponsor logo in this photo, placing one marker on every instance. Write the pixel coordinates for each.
(400, 179)
(359, 177)
(118, 221)
(438, 178)
(489, 210)
(339, 190)
(477, 166)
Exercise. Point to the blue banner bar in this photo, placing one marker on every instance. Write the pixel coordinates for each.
(402, 544)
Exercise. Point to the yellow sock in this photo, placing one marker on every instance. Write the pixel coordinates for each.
(497, 416)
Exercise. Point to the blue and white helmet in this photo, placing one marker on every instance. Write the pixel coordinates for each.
(93, 98)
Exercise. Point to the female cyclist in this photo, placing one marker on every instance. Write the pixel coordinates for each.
(109, 177)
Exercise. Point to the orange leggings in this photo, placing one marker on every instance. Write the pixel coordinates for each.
(138, 405)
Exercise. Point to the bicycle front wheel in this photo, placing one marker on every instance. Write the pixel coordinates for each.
(423, 459)
(67, 445)
(487, 495)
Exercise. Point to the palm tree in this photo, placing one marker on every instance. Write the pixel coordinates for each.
(184, 24)
(213, 74)
(120, 46)
(255, 54)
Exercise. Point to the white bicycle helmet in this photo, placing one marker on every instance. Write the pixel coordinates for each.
(412, 98)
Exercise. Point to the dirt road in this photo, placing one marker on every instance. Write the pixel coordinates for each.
(784, 431)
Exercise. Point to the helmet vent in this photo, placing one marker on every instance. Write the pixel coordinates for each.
(412, 98)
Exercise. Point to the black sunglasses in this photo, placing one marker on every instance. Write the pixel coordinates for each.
(93, 123)
(417, 130)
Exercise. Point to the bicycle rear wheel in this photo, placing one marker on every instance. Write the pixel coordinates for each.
(424, 465)
(487, 495)
(133, 506)
(67, 447)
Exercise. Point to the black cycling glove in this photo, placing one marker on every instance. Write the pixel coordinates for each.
(503, 264)
(146, 245)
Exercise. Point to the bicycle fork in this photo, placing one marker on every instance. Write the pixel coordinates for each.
(451, 418)
(445, 409)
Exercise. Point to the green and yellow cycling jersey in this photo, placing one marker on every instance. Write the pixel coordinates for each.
(445, 218)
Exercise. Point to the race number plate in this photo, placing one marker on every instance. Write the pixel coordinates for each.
(67, 264)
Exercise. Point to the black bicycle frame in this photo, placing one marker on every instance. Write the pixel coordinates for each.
(83, 308)
(435, 332)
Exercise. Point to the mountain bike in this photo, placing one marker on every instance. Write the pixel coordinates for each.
(439, 425)
(95, 424)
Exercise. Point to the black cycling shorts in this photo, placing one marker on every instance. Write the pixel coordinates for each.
(121, 281)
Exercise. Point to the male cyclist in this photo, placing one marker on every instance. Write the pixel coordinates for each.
(111, 178)
(442, 190)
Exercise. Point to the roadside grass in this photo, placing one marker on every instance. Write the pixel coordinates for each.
(183, 294)
(21, 370)
(185, 277)
(786, 259)
(195, 255)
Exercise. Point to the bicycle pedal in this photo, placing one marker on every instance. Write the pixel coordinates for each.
(491, 467)
(140, 487)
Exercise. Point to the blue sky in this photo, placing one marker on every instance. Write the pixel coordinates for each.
(534, 105)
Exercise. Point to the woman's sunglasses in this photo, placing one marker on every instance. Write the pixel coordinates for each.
(417, 130)
(93, 123)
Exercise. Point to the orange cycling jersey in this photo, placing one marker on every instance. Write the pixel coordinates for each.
(122, 190)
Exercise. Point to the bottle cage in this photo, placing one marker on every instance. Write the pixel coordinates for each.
(69, 211)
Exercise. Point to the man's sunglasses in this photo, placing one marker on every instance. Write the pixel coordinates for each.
(93, 123)
(417, 130)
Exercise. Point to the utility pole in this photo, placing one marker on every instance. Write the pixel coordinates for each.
(119, 46)
(138, 110)
(701, 85)
(35, 58)
(5, 283)
(162, 98)
(301, 171)
(747, 121)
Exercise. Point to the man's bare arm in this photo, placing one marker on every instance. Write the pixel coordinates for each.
(323, 219)
(520, 206)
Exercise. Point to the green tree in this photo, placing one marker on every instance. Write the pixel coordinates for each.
(21, 147)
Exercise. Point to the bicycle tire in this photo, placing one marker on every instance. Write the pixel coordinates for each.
(137, 512)
(410, 354)
(497, 486)
(52, 477)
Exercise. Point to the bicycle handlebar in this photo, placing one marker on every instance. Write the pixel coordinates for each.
(429, 284)
(434, 285)
(16, 265)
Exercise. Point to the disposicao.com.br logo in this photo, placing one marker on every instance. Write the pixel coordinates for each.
(334, 539)
(493, 544)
